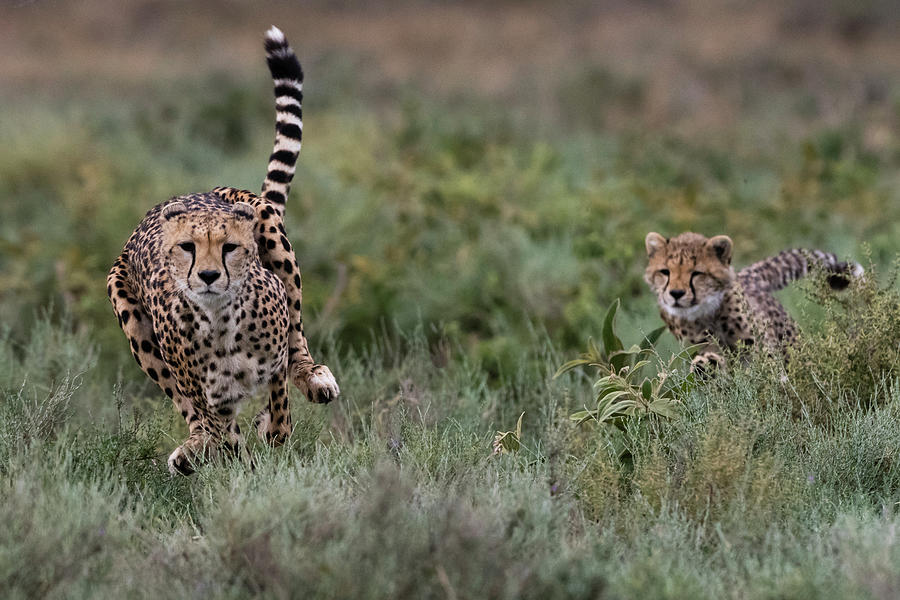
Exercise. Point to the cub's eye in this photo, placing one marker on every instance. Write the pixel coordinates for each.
(187, 246)
(226, 248)
(664, 272)
(697, 273)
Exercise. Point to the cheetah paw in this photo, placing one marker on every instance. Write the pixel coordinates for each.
(186, 456)
(179, 462)
(705, 365)
(320, 385)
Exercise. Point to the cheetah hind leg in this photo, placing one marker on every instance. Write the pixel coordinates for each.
(277, 255)
(273, 423)
(233, 445)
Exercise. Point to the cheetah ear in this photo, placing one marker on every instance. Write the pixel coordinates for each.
(243, 210)
(721, 246)
(173, 210)
(654, 243)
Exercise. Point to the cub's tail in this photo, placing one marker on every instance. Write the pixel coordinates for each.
(778, 271)
(288, 78)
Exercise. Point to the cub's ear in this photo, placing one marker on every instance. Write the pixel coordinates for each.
(243, 210)
(721, 246)
(654, 243)
(172, 210)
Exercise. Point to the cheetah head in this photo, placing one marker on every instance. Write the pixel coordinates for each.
(209, 251)
(689, 273)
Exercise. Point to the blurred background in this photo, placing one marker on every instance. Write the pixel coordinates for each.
(483, 171)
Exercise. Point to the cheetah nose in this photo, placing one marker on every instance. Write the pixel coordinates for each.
(676, 294)
(208, 276)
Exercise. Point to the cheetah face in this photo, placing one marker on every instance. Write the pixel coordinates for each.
(209, 251)
(689, 273)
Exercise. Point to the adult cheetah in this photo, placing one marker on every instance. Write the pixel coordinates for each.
(703, 301)
(208, 293)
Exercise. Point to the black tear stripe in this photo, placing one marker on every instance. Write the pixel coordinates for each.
(225, 268)
(191, 270)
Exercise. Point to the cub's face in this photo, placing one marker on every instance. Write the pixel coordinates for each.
(209, 252)
(689, 273)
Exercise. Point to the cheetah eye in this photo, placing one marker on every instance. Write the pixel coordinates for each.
(187, 246)
(697, 273)
(226, 248)
(664, 272)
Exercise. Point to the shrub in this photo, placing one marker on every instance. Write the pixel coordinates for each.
(853, 356)
(624, 392)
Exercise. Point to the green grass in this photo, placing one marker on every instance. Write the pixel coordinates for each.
(393, 492)
(453, 257)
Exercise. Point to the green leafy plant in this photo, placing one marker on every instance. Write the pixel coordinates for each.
(633, 382)
(506, 442)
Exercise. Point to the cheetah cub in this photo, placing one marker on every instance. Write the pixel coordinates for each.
(208, 293)
(703, 301)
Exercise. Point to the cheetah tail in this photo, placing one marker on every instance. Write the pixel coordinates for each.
(840, 273)
(288, 78)
(778, 271)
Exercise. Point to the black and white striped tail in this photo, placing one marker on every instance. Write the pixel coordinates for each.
(288, 78)
(778, 271)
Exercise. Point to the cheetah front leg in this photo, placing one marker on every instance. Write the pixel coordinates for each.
(138, 328)
(315, 381)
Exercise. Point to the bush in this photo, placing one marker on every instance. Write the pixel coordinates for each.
(851, 359)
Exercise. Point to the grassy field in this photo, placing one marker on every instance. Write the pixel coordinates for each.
(474, 190)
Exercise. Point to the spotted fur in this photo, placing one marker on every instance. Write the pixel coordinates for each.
(703, 301)
(208, 293)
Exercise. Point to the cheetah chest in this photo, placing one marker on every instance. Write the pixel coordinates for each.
(226, 353)
(726, 323)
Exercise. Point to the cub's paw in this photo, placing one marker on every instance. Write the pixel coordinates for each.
(706, 364)
(319, 385)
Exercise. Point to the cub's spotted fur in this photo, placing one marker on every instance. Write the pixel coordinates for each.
(208, 292)
(704, 302)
